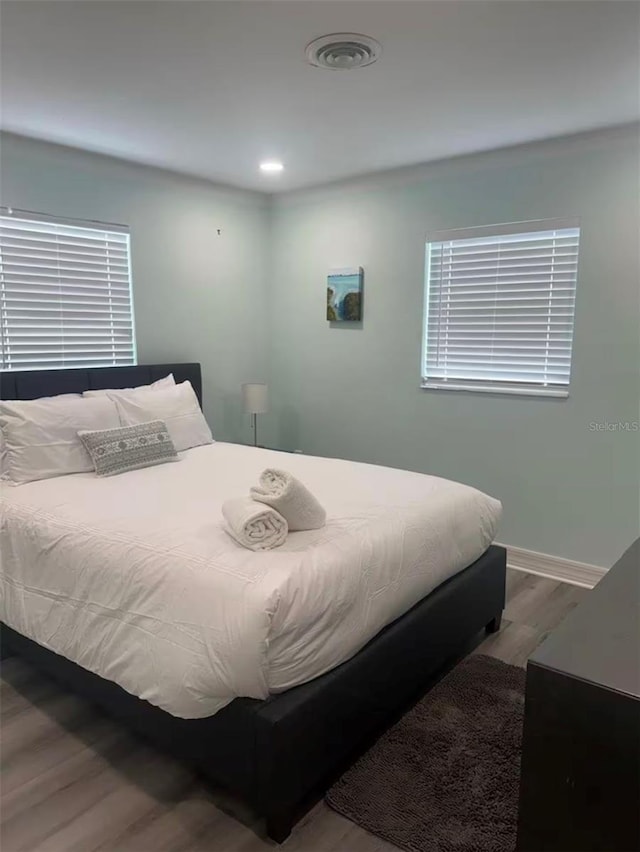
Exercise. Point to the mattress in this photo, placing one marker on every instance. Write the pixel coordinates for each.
(135, 578)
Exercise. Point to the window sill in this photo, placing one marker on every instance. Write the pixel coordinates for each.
(554, 393)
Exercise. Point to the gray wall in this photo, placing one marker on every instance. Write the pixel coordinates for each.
(250, 305)
(353, 391)
(197, 296)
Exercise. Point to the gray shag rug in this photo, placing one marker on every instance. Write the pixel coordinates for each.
(445, 778)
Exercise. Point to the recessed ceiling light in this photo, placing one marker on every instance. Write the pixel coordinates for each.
(271, 167)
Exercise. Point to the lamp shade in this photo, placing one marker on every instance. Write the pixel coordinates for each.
(255, 398)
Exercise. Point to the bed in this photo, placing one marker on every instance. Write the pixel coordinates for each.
(265, 671)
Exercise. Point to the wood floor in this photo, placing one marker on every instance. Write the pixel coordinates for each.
(73, 781)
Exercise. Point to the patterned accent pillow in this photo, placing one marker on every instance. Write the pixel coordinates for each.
(129, 447)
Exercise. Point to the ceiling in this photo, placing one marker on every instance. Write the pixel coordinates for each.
(212, 88)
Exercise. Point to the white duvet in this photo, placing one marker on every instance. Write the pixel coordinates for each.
(135, 578)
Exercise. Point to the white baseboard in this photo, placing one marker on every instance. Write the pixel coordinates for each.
(554, 567)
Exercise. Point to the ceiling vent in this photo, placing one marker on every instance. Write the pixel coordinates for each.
(343, 51)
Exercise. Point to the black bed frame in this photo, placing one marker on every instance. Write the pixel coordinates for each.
(279, 753)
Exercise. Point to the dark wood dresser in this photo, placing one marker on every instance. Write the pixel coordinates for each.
(580, 781)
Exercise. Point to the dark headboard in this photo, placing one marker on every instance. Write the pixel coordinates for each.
(31, 384)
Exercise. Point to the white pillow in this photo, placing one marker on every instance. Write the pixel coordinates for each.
(41, 435)
(4, 465)
(177, 406)
(166, 382)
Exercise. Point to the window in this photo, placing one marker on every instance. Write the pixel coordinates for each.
(499, 307)
(65, 294)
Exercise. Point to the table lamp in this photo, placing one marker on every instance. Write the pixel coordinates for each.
(255, 402)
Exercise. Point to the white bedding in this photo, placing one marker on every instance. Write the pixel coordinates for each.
(134, 577)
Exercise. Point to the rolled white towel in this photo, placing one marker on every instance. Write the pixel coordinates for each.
(283, 492)
(253, 524)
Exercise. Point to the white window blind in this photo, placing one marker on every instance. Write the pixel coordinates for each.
(499, 308)
(65, 294)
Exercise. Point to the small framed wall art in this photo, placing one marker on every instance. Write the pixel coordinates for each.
(344, 294)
